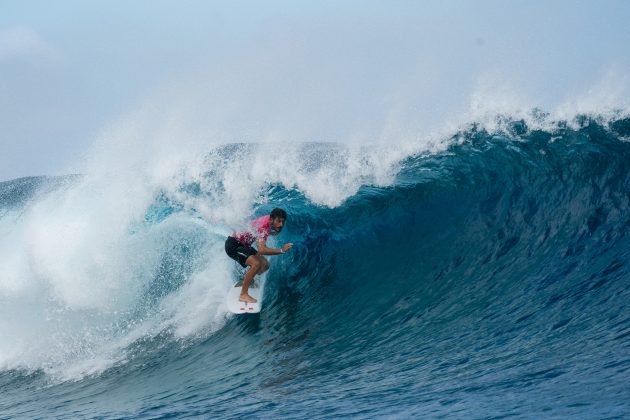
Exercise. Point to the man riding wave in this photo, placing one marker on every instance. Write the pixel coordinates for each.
(239, 247)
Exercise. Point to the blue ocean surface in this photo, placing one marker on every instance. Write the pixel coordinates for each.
(485, 278)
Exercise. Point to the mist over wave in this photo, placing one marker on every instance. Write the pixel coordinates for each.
(490, 261)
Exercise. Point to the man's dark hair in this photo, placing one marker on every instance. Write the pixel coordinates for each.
(276, 213)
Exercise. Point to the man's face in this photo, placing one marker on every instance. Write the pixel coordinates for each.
(276, 225)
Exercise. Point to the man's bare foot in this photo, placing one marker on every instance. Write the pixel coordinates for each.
(247, 298)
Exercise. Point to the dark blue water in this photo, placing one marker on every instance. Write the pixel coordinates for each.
(490, 279)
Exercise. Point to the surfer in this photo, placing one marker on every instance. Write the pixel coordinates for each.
(239, 247)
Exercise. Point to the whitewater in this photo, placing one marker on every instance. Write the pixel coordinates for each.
(477, 273)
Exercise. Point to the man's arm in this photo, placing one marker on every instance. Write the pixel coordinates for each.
(263, 249)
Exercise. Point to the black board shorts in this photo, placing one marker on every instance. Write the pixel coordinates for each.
(238, 251)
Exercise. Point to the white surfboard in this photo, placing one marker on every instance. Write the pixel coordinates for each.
(255, 290)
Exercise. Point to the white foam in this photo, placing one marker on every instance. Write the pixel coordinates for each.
(77, 265)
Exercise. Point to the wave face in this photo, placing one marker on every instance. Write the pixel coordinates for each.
(487, 278)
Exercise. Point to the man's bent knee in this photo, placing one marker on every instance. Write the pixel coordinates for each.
(264, 265)
(253, 262)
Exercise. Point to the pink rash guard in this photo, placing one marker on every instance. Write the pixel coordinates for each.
(260, 226)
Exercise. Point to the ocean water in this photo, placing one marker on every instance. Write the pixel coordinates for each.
(484, 274)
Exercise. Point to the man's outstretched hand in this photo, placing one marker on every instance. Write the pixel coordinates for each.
(286, 247)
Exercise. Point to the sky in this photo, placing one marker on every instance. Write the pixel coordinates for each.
(291, 70)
